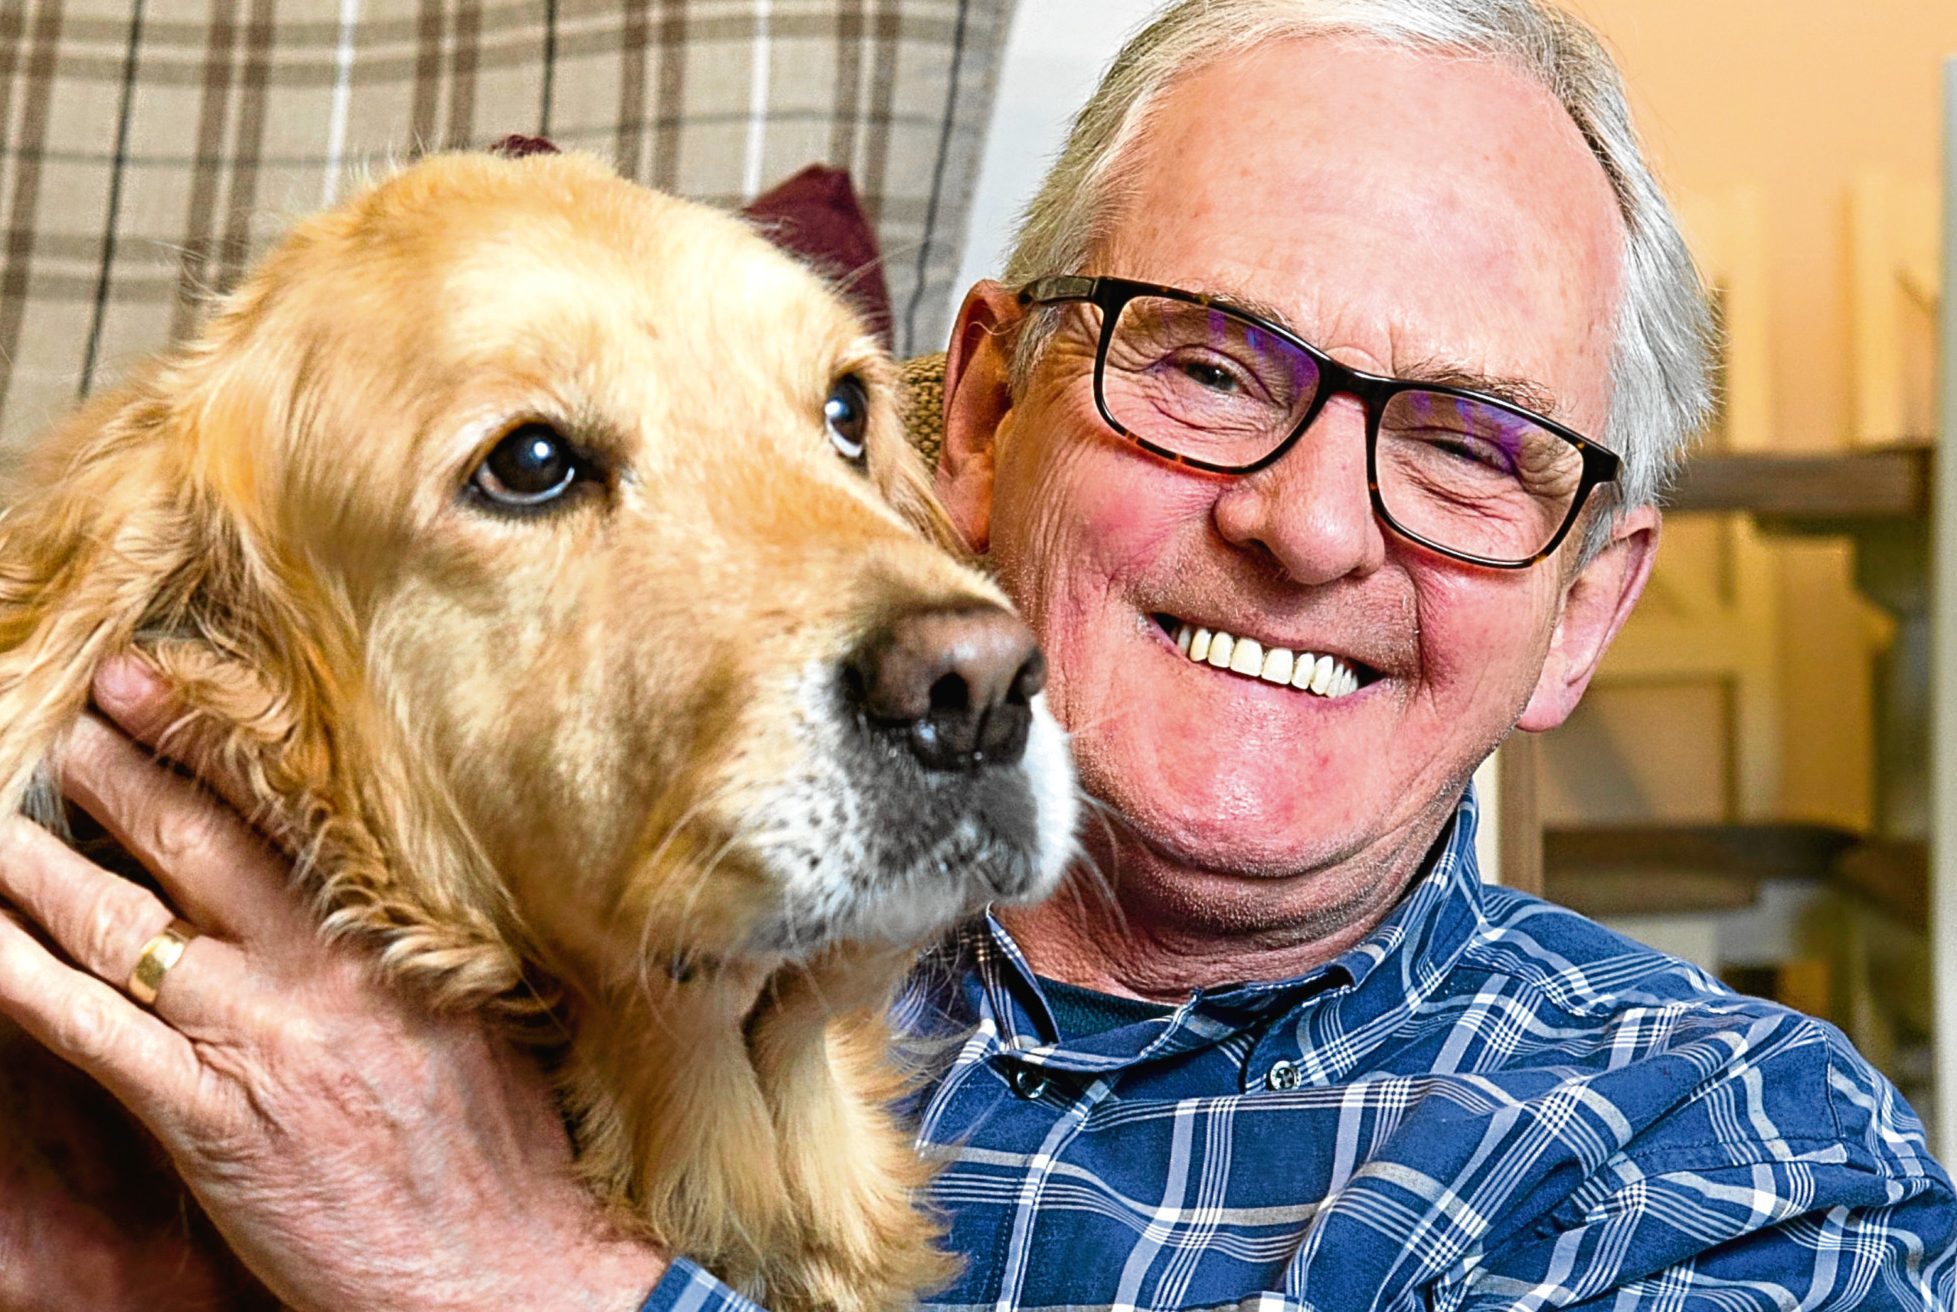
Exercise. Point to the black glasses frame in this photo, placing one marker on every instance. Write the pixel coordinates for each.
(1112, 295)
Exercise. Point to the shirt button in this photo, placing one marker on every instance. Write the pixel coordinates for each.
(1283, 1075)
(1029, 1082)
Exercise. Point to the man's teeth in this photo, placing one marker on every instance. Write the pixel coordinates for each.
(1325, 675)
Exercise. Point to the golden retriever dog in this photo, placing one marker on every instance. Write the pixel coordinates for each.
(546, 552)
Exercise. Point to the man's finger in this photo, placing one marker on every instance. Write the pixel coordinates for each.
(210, 863)
(148, 1066)
(103, 922)
(129, 692)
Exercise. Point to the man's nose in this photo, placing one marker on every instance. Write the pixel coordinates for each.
(1310, 510)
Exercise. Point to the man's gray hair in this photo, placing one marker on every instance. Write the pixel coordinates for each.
(1661, 391)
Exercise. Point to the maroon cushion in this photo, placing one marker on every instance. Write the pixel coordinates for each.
(815, 215)
(516, 146)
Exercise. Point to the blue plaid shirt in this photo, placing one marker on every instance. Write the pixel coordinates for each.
(1491, 1103)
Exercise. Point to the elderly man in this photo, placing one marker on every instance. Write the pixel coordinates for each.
(1317, 434)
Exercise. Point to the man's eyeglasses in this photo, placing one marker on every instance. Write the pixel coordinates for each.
(1460, 472)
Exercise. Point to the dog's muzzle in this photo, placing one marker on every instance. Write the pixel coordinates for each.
(936, 782)
(954, 685)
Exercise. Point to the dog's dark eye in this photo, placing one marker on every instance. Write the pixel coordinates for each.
(532, 466)
(847, 416)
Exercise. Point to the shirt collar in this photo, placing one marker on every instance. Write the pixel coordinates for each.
(1395, 967)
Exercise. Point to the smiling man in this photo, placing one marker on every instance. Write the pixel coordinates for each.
(1317, 431)
(1353, 338)
(1433, 219)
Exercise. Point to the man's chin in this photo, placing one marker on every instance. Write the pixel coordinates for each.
(1239, 836)
(1253, 894)
(1263, 838)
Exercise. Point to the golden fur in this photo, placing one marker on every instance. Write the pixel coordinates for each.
(534, 761)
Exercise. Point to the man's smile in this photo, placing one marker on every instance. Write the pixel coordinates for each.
(1321, 674)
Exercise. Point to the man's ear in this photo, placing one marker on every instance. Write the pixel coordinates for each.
(1596, 602)
(978, 397)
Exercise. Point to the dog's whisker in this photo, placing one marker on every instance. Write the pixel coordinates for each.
(647, 959)
(648, 924)
(1085, 874)
(1098, 723)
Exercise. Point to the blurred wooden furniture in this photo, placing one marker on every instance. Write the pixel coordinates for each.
(1894, 241)
(1706, 628)
(1868, 963)
(1879, 494)
(1519, 836)
(1699, 650)
(1879, 497)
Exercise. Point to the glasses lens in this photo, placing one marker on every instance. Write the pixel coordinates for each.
(1473, 476)
(1202, 383)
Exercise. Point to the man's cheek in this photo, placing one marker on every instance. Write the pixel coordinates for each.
(1477, 629)
(1136, 511)
(1060, 529)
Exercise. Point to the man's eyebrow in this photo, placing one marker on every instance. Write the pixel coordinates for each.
(1229, 299)
(1524, 392)
(1441, 372)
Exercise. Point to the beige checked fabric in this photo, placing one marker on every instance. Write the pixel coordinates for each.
(150, 149)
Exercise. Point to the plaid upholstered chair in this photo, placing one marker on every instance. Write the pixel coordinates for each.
(150, 148)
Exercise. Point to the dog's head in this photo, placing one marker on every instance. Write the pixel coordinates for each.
(548, 550)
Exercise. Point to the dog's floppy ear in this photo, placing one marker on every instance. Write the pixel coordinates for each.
(126, 527)
(94, 544)
(113, 537)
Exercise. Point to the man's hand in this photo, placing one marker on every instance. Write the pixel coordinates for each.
(355, 1150)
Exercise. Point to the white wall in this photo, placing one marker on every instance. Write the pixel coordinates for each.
(1054, 55)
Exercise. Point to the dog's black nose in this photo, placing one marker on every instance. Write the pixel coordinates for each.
(955, 684)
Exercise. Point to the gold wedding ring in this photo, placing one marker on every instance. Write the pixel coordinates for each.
(159, 955)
